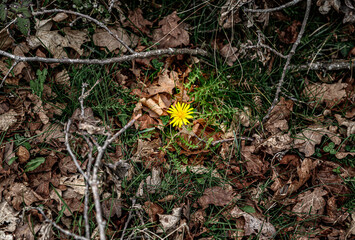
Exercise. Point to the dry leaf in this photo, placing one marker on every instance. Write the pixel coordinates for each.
(310, 137)
(5, 40)
(168, 222)
(279, 117)
(18, 194)
(230, 14)
(331, 94)
(7, 120)
(289, 36)
(23, 154)
(166, 83)
(137, 22)
(216, 196)
(55, 42)
(254, 164)
(8, 220)
(51, 132)
(62, 78)
(310, 202)
(60, 17)
(152, 105)
(253, 225)
(171, 33)
(349, 124)
(153, 209)
(229, 53)
(102, 38)
(277, 143)
(153, 181)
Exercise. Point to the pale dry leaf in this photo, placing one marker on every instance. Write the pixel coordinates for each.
(326, 5)
(76, 182)
(341, 155)
(217, 196)
(38, 108)
(8, 218)
(146, 148)
(7, 120)
(351, 230)
(229, 15)
(254, 225)
(18, 194)
(168, 222)
(311, 202)
(102, 38)
(331, 94)
(20, 50)
(171, 33)
(60, 17)
(310, 137)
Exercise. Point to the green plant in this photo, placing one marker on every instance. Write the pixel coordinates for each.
(37, 85)
(34, 163)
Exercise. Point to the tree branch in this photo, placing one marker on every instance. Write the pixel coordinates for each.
(289, 4)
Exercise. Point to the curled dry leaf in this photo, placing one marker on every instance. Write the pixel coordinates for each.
(153, 181)
(171, 33)
(152, 105)
(7, 120)
(331, 94)
(277, 143)
(310, 203)
(253, 225)
(347, 123)
(166, 83)
(23, 154)
(8, 220)
(217, 196)
(310, 137)
(254, 164)
(168, 222)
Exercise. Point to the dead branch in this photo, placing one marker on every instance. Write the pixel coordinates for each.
(288, 60)
(8, 72)
(153, 53)
(66, 232)
(90, 19)
(286, 5)
(324, 66)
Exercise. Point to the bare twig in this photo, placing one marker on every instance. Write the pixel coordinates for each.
(289, 4)
(89, 18)
(67, 232)
(153, 53)
(129, 218)
(8, 25)
(231, 139)
(7, 74)
(288, 60)
(325, 66)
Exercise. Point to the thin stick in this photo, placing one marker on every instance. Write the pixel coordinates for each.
(8, 25)
(66, 232)
(153, 53)
(89, 18)
(289, 4)
(325, 66)
(231, 139)
(288, 60)
(8, 72)
(129, 218)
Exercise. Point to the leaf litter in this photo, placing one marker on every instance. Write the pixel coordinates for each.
(304, 183)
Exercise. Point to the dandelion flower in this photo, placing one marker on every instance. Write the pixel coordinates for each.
(180, 113)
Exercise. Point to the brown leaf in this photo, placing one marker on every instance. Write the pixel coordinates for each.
(332, 181)
(289, 36)
(18, 194)
(112, 207)
(253, 225)
(102, 38)
(229, 53)
(6, 40)
(153, 209)
(331, 94)
(171, 33)
(23, 154)
(216, 196)
(347, 123)
(7, 120)
(311, 202)
(310, 137)
(166, 83)
(67, 165)
(254, 164)
(137, 22)
(277, 143)
(279, 117)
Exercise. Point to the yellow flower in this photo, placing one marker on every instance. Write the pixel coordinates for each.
(180, 113)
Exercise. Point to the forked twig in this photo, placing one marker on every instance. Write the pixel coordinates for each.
(286, 5)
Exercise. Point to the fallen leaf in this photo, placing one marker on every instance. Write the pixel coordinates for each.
(23, 154)
(253, 225)
(102, 38)
(153, 181)
(347, 123)
(289, 36)
(171, 33)
(277, 143)
(229, 15)
(137, 22)
(279, 117)
(254, 164)
(8, 220)
(7, 120)
(310, 203)
(67, 165)
(229, 53)
(55, 42)
(62, 78)
(6, 40)
(310, 137)
(166, 83)
(153, 209)
(51, 132)
(18, 194)
(152, 105)
(60, 17)
(331, 94)
(216, 196)
(168, 222)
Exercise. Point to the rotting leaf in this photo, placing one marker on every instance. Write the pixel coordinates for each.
(8, 219)
(153, 209)
(171, 33)
(168, 222)
(216, 196)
